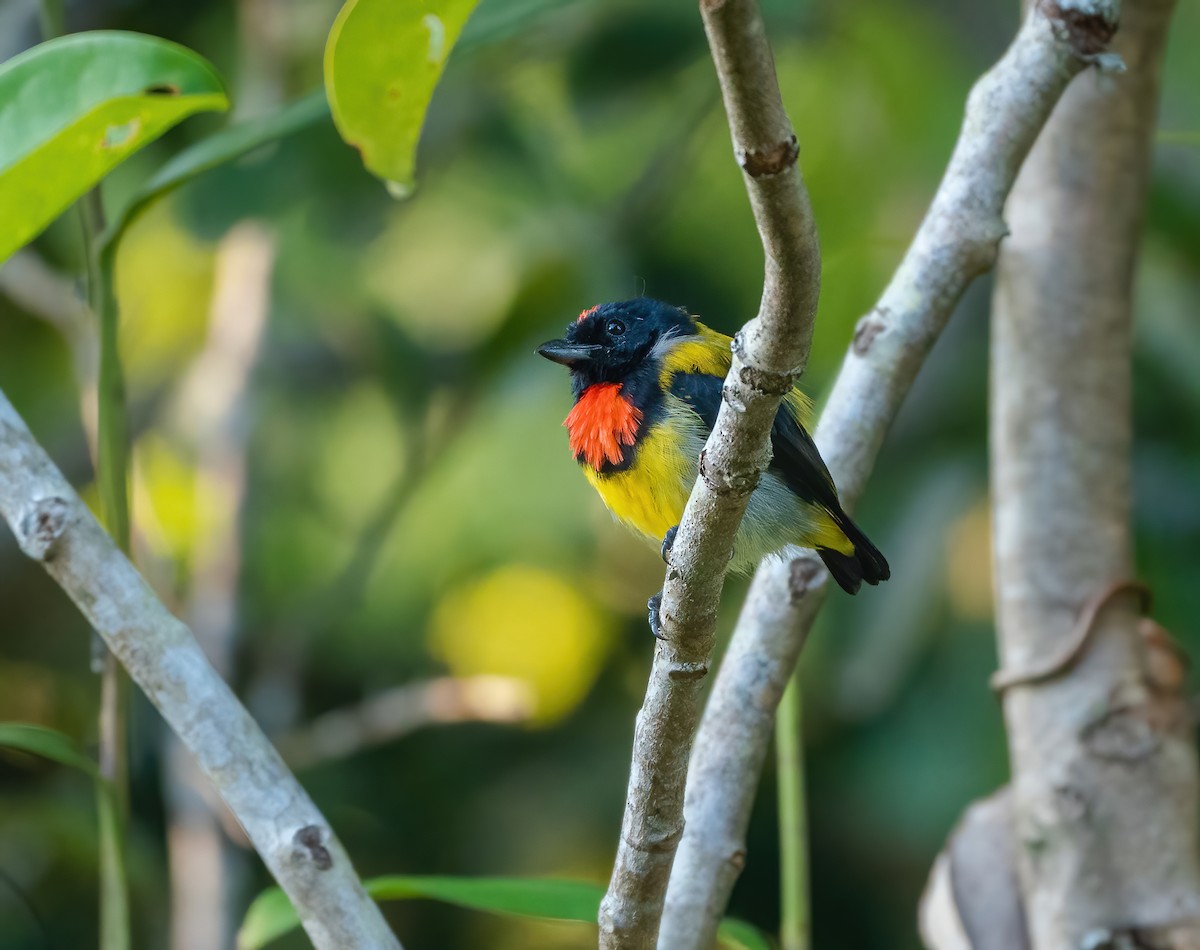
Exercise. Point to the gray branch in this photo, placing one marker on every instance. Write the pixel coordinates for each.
(768, 355)
(1105, 783)
(956, 242)
(385, 717)
(54, 527)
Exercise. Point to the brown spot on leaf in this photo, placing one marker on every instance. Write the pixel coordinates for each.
(161, 89)
(116, 136)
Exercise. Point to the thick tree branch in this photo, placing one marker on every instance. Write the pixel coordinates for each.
(1105, 782)
(54, 527)
(956, 242)
(768, 355)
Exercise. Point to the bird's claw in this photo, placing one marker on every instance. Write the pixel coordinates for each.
(668, 542)
(654, 606)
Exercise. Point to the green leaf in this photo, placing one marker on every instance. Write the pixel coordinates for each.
(551, 898)
(735, 934)
(53, 745)
(46, 743)
(271, 916)
(229, 144)
(73, 108)
(383, 60)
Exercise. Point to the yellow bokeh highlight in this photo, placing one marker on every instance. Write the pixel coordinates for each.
(969, 562)
(164, 497)
(164, 280)
(529, 624)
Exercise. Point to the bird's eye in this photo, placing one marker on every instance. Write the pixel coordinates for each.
(614, 327)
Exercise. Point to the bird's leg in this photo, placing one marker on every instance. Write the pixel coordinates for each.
(654, 606)
(667, 542)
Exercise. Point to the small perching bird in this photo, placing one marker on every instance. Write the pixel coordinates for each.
(647, 378)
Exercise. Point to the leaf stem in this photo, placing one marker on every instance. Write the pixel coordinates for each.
(795, 918)
(113, 477)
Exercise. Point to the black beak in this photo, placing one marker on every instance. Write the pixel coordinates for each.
(567, 354)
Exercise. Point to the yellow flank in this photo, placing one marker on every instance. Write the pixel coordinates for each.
(709, 354)
(801, 407)
(650, 495)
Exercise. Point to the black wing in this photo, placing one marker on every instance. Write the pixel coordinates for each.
(795, 458)
(797, 461)
(800, 465)
(702, 392)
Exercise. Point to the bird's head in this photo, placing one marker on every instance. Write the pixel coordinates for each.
(613, 340)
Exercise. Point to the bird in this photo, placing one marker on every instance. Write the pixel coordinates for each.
(647, 379)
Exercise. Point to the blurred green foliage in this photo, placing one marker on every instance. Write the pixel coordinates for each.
(412, 510)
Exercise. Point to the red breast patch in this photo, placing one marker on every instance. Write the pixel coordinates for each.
(601, 424)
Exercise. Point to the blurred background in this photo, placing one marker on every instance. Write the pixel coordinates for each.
(421, 598)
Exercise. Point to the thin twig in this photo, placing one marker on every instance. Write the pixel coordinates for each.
(112, 471)
(768, 355)
(956, 242)
(396, 712)
(795, 917)
(54, 527)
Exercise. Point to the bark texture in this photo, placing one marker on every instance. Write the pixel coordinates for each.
(956, 242)
(1104, 766)
(768, 355)
(55, 528)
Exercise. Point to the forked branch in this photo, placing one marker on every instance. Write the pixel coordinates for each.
(957, 241)
(768, 355)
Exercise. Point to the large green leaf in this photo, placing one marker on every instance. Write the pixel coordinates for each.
(382, 62)
(271, 915)
(73, 108)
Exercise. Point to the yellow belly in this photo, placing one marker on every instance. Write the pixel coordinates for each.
(651, 494)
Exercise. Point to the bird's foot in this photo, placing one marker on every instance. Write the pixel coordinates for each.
(654, 606)
(668, 542)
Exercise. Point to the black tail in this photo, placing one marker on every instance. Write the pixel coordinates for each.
(865, 564)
